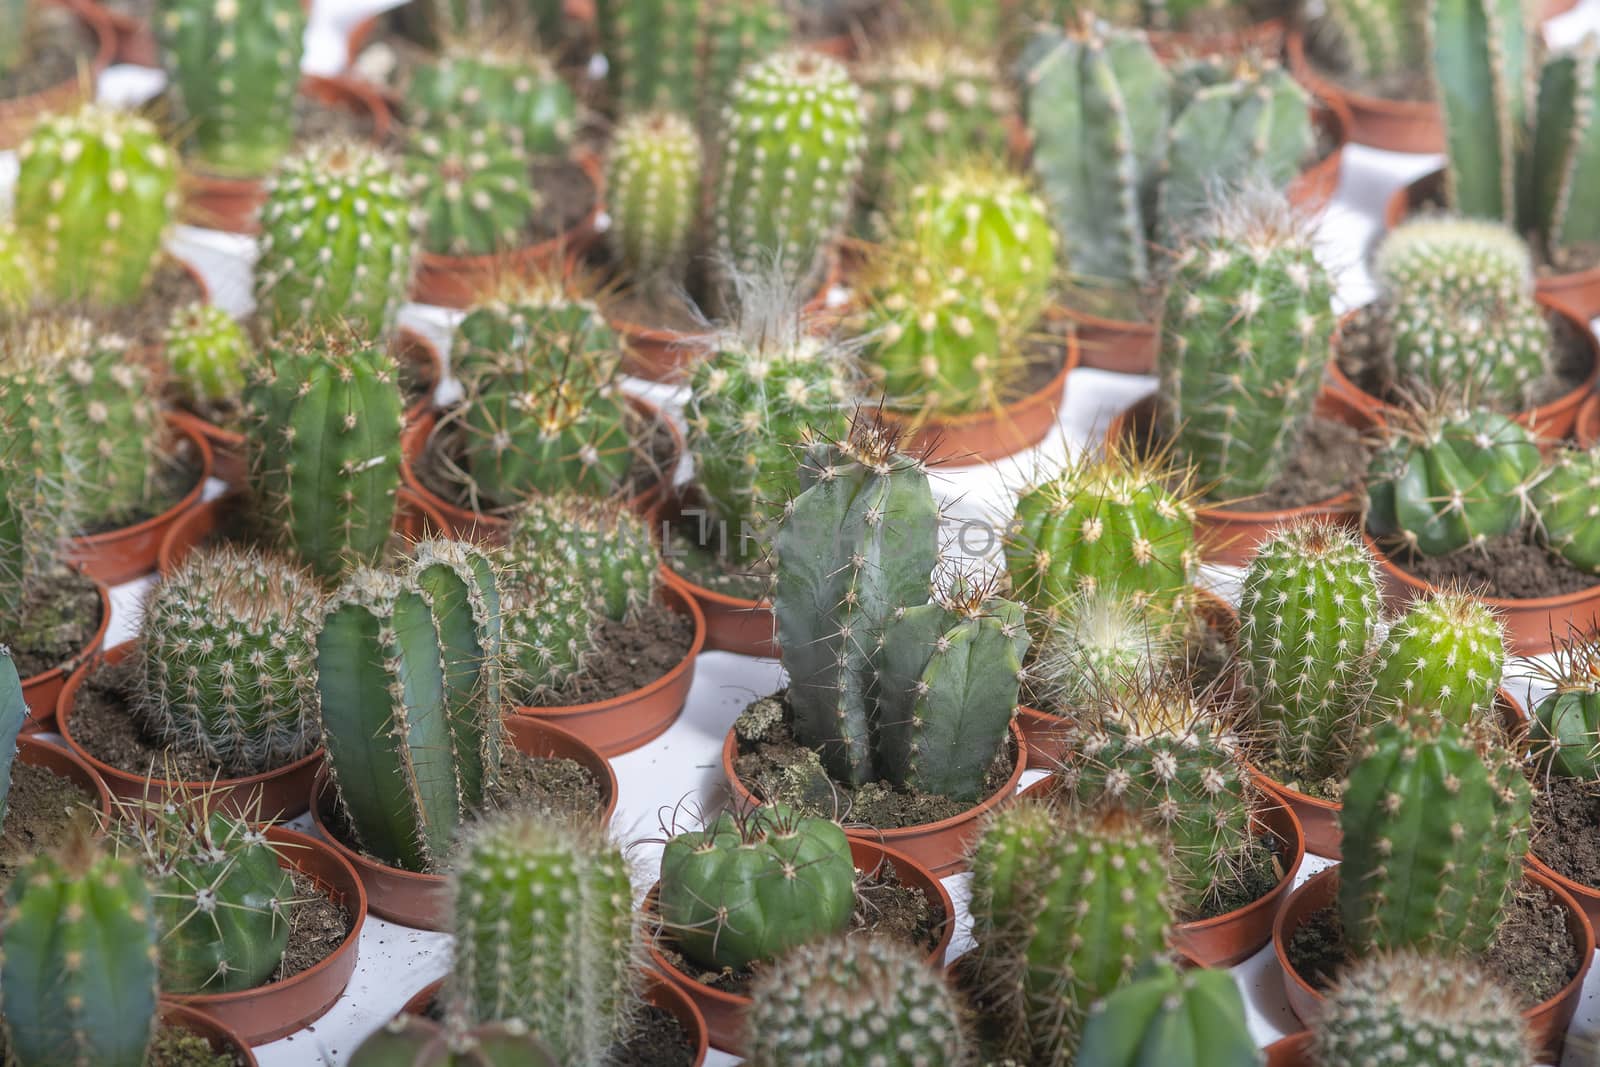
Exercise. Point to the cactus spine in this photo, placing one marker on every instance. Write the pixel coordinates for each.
(19, 273)
(653, 176)
(1567, 503)
(1098, 652)
(550, 627)
(473, 189)
(209, 353)
(1564, 729)
(1180, 1019)
(480, 80)
(602, 542)
(1446, 654)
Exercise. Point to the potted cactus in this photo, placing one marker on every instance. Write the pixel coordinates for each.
(1164, 1015)
(46, 44)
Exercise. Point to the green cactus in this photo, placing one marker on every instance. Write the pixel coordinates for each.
(111, 398)
(1307, 614)
(536, 326)
(653, 176)
(13, 713)
(20, 282)
(326, 461)
(603, 543)
(79, 969)
(234, 70)
(210, 354)
(1449, 478)
(1435, 823)
(1381, 38)
(855, 1002)
(95, 193)
(416, 1041)
(21, 16)
(1445, 654)
(1567, 503)
(1564, 729)
(483, 80)
(1098, 652)
(750, 888)
(1248, 318)
(338, 235)
(1558, 167)
(1171, 1017)
(473, 189)
(545, 934)
(550, 627)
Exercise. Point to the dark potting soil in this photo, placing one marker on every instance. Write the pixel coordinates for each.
(1329, 789)
(53, 625)
(144, 322)
(773, 765)
(1263, 868)
(1533, 956)
(104, 723)
(1513, 567)
(173, 1046)
(707, 566)
(628, 656)
(566, 196)
(176, 475)
(59, 45)
(1566, 828)
(317, 927)
(39, 809)
(658, 1039)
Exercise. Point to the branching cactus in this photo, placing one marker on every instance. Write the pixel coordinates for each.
(1307, 616)
(1446, 653)
(1564, 729)
(326, 462)
(1436, 823)
(1064, 907)
(234, 68)
(1248, 316)
(751, 887)
(79, 970)
(463, 584)
(210, 354)
(1449, 478)
(604, 544)
(1407, 1009)
(482, 80)
(653, 181)
(95, 193)
(545, 934)
(338, 236)
(13, 713)
(550, 627)
(854, 1002)
(472, 187)
(417, 1041)
(1567, 503)
(1381, 38)
(1175, 1018)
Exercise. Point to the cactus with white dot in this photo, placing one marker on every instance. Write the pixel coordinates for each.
(1567, 503)
(417, 1041)
(603, 543)
(95, 194)
(1174, 1018)
(478, 81)
(19, 272)
(234, 68)
(550, 625)
(539, 325)
(472, 188)
(1564, 728)
(338, 237)
(545, 931)
(210, 354)
(855, 1002)
(1446, 653)
(653, 177)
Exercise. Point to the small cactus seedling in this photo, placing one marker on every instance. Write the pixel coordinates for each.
(481, 80)
(750, 888)
(472, 187)
(1446, 653)
(1564, 729)
(1174, 1018)
(13, 713)
(210, 354)
(653, 179)
(417, 1041)
(602, 543)
(1566, 502)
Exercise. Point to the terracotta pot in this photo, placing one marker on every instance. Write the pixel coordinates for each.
(224, 1040)
(1547, 1022)
(724, 1013)
(457, 281)
(18, 114)
(1291, 1051)
(278, 1009)
(282, 791)
(422, 900)
(1391, 125)
(64, 763)
(1265, 37)
(624, 723)
(1587, 428)
(1118, 345)
(1235, 936)
(42, 691)
(1313, 189)
(940, 846)
(733, 624)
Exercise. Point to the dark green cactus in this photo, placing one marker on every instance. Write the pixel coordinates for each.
(539, 326)
(209, 353)
(1567, 503)
(1171, 1017)
(13, 713)
(110, 397)
(416, 1041)
(1446, 653)
(1564, 729)
(1559, 170)
(603, 544)
(653, 179)
(484, 80)
(473, 189)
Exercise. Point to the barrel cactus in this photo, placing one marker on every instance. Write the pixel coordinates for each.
(601, 542)
(1567, 503)
(482, 79)
(472, 188)
(653, 177)
(1445, 653)
(1100, 651)
(1564, 728)
(210, 354)
(551, 627)
(1171, 1017)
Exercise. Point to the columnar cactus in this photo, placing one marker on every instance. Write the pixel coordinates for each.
(472, 188)
(1381, 37)
(1175, 1018)
(234, 70)
(95, 193)
(1307, 615)
(326, 463)
(1561, 168)
(1564, 729)
(603, 543)
(545, 934)
(337, 238)
(653, 178)
(13, 713)
(42, 498)
(79, 969)
(1435, 824)
(209, 353)
(1567, 503)
(1446, 653)
(417, 1041)
(481, 80)
(854, 1002)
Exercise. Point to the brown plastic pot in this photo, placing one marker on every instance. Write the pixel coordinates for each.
(1391, 125)
(940, 846)
(278, 1009)
(733, 624)
(65, 763)
(223, 1040)
(624, 723)
(1546, 1022)
(18, 114)
(1313, 189)
(1587, 428)
(280, 792)
(1264, 38)
(1291, 1051)
(723, 1012)
(423, 900)
(42, 691)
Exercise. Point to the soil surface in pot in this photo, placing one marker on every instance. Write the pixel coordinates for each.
(318, 925)
(1263, 868)
(1330, 788)
(1514, 567)
(173, 1046)
(774, 766)
(628, 656)
(144, 322)
(658, 1039)
(176, 474)
(1329, 56)
(39, 809)
(1547, 260)
(1566, 828)
(57, 46)
(708, 567)
(1533, 956)
(56, 621)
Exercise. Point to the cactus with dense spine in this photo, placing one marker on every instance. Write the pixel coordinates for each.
(854, 1002)
(338, 235)
(653, 176)
(110, 397)
(479, 81)
(79, 968)
(1174, 1018)
(1380, 38)
(1564, 729)
(210, 354)
(13, 713)
(473, 189)
(1446, 654)
(19, 272)
(1435, 821)
(545, 934)
(1307, 615)
(750, 888)
(416, 1041)
(94, 195)
(42, 498)
(550, 627)
(1567, 503)
(234, 68)
(1098, 651)
(225, 655)
(326, 463)
(602, 542)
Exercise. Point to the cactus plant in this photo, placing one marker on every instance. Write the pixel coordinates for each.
(750, 888)
(1099, 651)
(603, 543)
(13, 713)
(1564, 729)
(95, 193)
(1180, 1019)
(19, 273)
(234, 69)
(416, 1041)
(481, 80)
(1446, 653)
(209, 353)
(326, 455)
(110, 398)
(338, 235)
(536, 326)
(472, 187)
(1566, 502)
(550, 626)
(653, 176)
(544, 923)
(1380, 38)
(854, 1002)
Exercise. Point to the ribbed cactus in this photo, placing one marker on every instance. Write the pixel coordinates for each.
(1436, 822)
(545, 934)
(234, 69)
(326, 462)
(790, 149)
(472, 187)
(1248, 316)
(417, 1041)
(1381, 38)
(1449, 478)
(653, 177)
(337, 238)
(79, 969)
(19, 272)
(1307, 615)
(13, 713)
(1064, 907)
(1098, 651)
(209, 353)
(750, 887)
(464, 585)
(110, 397)
(42, 493)
(539, 326)
(855, 1002)
(1564, 728)
(603, 543)
(94, 195)
(1408, 1009)
(550, 627)
(1567, 503)
(226, 658)
(1173, 1018)
(484, 80)
(1446, 653)
(1557, 176)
